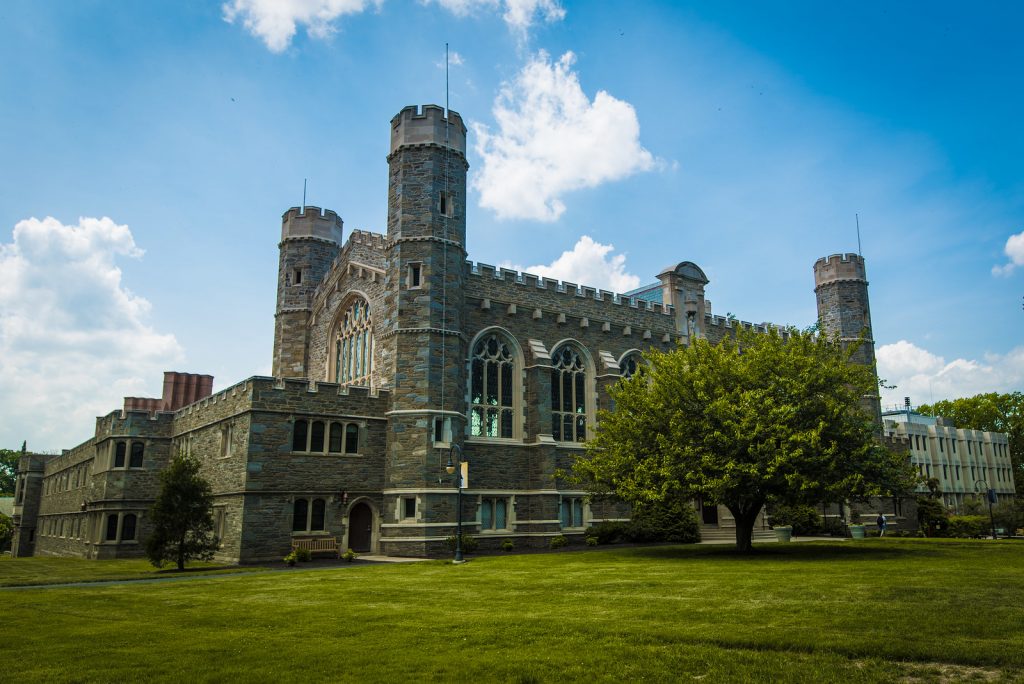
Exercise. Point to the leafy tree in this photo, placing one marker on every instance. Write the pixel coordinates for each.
(754, 417)
(182, 516)
(6, 531)
(8, 469)
(993, 412)
(932, 516)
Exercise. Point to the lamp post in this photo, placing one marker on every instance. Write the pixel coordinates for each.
(453, 467)
(990, 494)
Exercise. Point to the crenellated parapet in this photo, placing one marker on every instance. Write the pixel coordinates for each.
(416, 126)
(363, 255)
(311, 222)
(839, 267)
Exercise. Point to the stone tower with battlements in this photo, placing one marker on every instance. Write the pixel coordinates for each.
(424, 292)
(841, 289)
(310, 241)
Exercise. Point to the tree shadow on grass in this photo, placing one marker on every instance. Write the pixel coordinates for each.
(800, 553)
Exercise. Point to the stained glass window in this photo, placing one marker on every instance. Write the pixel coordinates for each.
(353, 345)
(492, 387)
(568, 395)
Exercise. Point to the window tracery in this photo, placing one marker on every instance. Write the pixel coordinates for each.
(352, 346)
(493, 387)
(569, 394)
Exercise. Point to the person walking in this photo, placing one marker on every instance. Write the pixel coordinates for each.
(881, 522)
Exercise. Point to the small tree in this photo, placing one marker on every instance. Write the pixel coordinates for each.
(182, 516)
(6, 532)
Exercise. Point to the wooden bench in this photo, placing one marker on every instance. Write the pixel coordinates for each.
(318, 544)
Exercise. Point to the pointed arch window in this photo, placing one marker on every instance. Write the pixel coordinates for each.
(569, 406)
(630, 364)
(352, 345)
(493, 387)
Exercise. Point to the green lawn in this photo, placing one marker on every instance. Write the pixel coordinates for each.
(17, 572)
(883, 610)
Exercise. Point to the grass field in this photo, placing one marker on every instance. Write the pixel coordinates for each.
(883, 610)
(17, 572)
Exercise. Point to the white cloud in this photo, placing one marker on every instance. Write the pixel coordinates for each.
(552, 140)
(519, 15)
(1015, 251)
(588, 263)
(926, 377)
(73, 340)
(275, 21)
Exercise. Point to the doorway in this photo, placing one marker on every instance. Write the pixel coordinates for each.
(360, 528)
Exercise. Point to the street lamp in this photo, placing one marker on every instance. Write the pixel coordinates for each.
(990, 494)
(451, 468)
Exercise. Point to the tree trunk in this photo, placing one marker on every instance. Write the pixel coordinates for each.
(181, 555)
(745, 516)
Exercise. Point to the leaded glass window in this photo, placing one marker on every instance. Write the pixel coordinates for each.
(353, 345)
(494, 514)
(568, 395)
(492, 381)
(630, 364)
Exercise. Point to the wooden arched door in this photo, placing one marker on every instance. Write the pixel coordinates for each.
(360, 528)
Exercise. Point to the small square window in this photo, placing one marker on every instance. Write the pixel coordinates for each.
(297, 276)
(409, 507)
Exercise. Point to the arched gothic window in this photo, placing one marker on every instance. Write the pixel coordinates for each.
(352, 345)
(569, 394)
(630, 363)
(492, 387)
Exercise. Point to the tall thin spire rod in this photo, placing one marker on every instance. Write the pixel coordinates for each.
(857, 218)
(446, 89)
(303, 195)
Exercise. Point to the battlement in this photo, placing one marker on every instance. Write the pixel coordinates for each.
(513, 278)
(311, 222)
(358, 243)
(837, 267)
(761, 328)
(425, 126)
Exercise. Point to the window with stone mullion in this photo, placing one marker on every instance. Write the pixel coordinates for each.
(491, 388)
(568, 396)
(353, 346)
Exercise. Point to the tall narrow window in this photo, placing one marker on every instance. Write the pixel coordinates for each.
(568, 395)
(336, 437)
(445, 204)
(351, 438)
(300, 512)
(317, 518)
(415, 276)
(128, 527)
(299, 435)
(493, 379)
(119, 450)
(353, 345)
(138, 448)
(112, 527)
(316, 437)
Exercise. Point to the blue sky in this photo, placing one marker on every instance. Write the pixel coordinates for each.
(164, 142)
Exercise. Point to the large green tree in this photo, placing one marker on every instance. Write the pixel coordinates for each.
(182, 516)
(993, 412)
(758, 416)
(8, 469)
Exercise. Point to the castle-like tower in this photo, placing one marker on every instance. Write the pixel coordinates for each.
(841, 290)
(423, 335)
(310, 241)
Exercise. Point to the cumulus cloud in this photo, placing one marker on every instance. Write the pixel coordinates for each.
(519, 15)
(73, 339)
(926, 377)
(275, 21)
(587, 263)
(552, 139)
(1015, 251)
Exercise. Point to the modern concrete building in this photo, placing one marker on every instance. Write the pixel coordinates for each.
(393, 353)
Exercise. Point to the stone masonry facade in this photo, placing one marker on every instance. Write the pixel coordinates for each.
(392, 355)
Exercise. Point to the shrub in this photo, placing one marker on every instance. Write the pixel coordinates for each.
(966, 526)
(931, 515)
(291, 558)
(303, 555)
(349, 556)
(6, 531)
(591, 541)
(834, 527)
(803, 519)
(469, 544)
(673, 520)
(607, 532)
(507, 544)
(558, 542)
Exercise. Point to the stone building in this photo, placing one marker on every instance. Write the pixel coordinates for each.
(393, 354)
